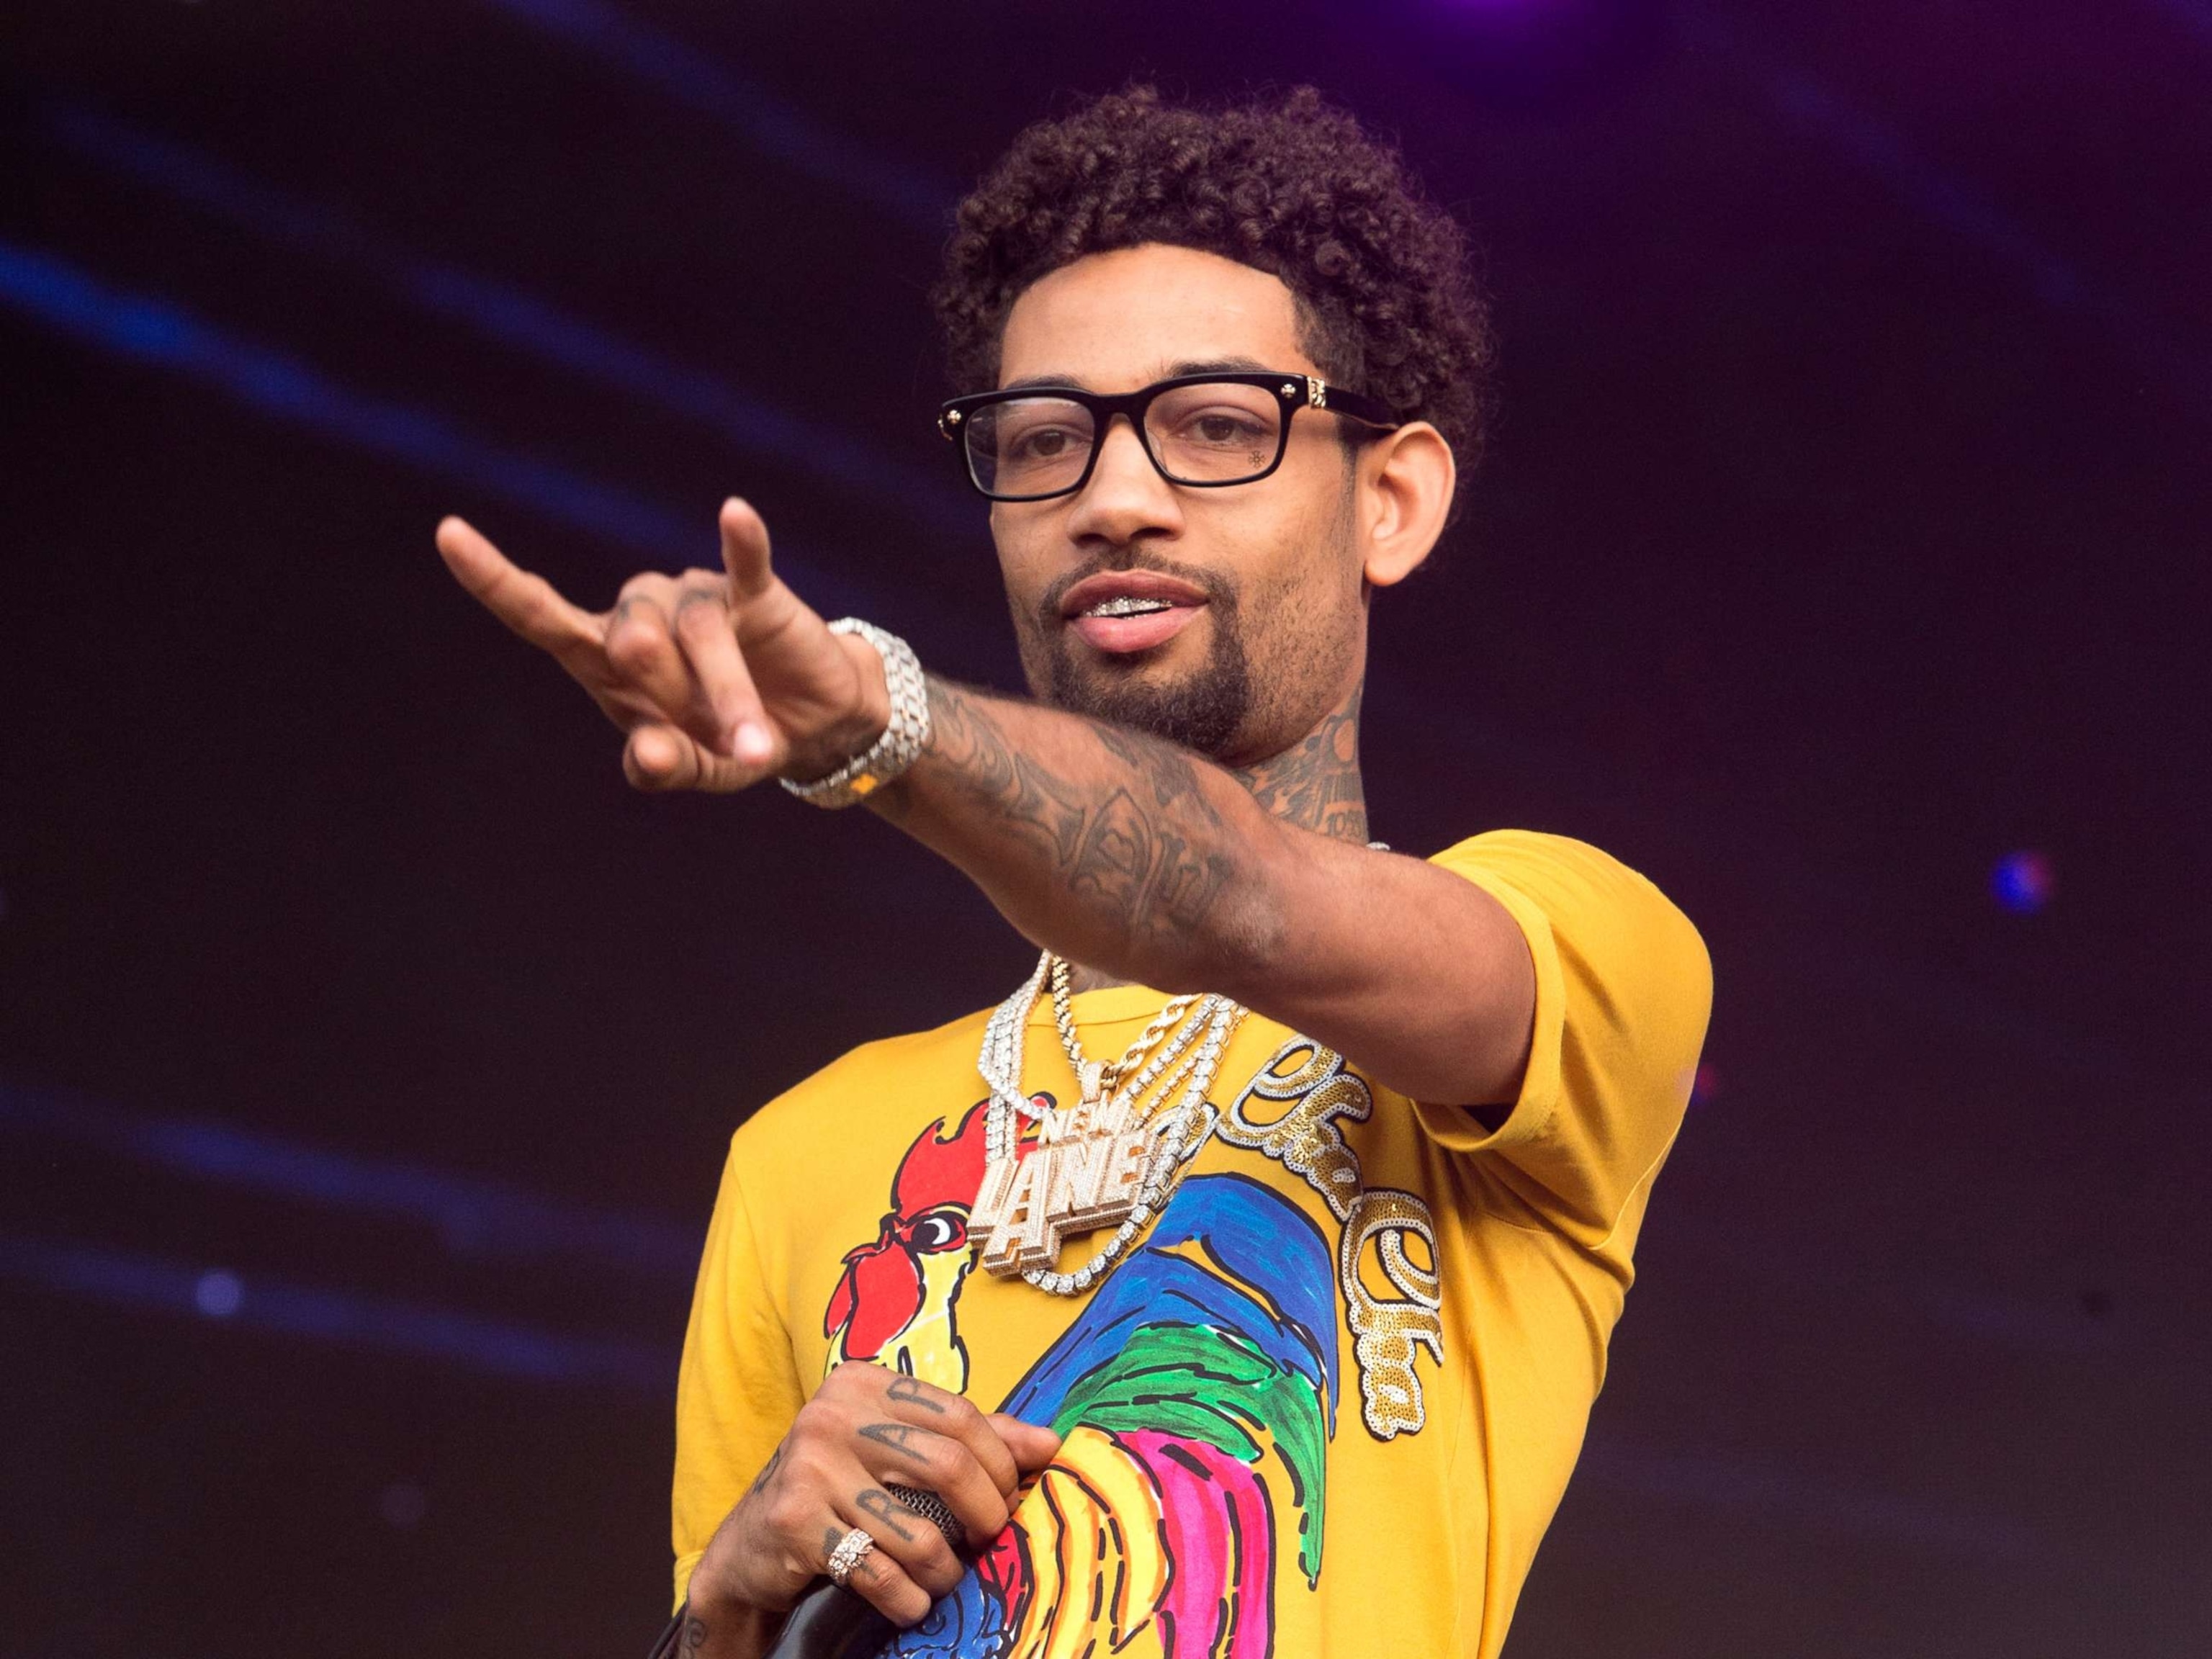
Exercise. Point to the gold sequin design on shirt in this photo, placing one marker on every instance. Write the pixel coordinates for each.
(1388, 1333)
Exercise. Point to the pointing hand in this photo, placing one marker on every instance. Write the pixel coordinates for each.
(722, 678)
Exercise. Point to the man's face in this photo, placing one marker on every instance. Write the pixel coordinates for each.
(1265, 632)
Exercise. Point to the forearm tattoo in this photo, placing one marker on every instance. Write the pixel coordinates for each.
(767, 1472)
(1139, 840)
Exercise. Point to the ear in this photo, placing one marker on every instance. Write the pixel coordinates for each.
(1405, 493)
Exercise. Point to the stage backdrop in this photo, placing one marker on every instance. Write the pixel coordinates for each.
(368, 1050)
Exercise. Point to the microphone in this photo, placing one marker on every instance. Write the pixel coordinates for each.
(832, 1622)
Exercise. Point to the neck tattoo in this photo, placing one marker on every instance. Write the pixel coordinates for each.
(1315, 782)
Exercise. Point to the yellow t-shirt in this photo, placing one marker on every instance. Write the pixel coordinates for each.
(1328, 1403)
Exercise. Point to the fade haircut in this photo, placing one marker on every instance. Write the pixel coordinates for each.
(1291, 186)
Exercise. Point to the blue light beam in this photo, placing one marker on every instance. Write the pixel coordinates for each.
(473, 1216)
(1869, 141)
(511, 316)
(516, 1351)
(150, 331)
(769, 123)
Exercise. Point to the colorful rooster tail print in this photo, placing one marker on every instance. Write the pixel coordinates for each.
(1196, 1397)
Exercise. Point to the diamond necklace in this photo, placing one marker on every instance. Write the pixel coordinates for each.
(1103, 1163)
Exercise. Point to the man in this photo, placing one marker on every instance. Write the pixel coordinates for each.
(1268, 1318)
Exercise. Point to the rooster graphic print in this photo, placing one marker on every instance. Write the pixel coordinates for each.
(1195, 1395)
(894, 1303)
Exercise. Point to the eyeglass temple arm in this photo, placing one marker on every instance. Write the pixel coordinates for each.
(1320, 394)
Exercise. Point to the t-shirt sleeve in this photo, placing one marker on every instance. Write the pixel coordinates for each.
(738, 1390)
(1624, 988)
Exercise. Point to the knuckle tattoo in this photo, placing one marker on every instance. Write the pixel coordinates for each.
(910, 1391)
(900, 1438)
(699, 610)
(882, 1506)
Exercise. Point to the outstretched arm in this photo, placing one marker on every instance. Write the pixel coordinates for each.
(1135, 856)
(1107, 847)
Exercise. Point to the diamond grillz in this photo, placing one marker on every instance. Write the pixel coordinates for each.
(1127, 605)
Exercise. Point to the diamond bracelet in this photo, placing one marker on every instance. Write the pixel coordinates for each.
(903, 738)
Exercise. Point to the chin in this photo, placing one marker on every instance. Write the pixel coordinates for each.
(1202, 706)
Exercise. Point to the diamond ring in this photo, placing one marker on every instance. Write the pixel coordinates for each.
(847, 1556)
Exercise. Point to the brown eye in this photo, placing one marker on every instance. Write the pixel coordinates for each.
(1219, 428)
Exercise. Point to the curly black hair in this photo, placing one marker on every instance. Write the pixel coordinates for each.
(1291, 186)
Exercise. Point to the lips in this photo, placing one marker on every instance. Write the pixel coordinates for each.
(1141, 630)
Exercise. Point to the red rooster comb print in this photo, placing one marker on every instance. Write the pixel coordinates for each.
(894, 1302)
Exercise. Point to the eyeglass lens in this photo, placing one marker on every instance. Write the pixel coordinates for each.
(1214, 433)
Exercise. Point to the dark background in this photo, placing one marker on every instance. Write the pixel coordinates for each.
(366, 1049)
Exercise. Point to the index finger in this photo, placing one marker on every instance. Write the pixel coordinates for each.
(956, 1418)
(527, 603)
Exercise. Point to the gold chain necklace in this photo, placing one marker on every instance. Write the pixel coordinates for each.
(1097, 1080)
(1102, 1163)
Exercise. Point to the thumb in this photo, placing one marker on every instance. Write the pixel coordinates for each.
(761, 608)
(660, 757)
(744, 550)
(1032, 1445)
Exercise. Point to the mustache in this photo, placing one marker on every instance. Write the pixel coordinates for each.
(1220, 591)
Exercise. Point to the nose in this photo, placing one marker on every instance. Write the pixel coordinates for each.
(1126, 497)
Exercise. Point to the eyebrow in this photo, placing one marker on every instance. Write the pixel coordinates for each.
(1174, 371)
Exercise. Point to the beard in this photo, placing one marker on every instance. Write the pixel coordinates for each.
(1207, 709)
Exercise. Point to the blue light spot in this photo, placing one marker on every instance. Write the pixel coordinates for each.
(218, 1294)
(2022, 882)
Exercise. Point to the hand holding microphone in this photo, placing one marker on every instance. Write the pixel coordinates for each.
(872, 1464)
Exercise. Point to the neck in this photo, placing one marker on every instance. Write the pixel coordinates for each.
(1314, 783)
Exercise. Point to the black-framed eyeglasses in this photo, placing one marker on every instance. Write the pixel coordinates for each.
(1207, 431)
